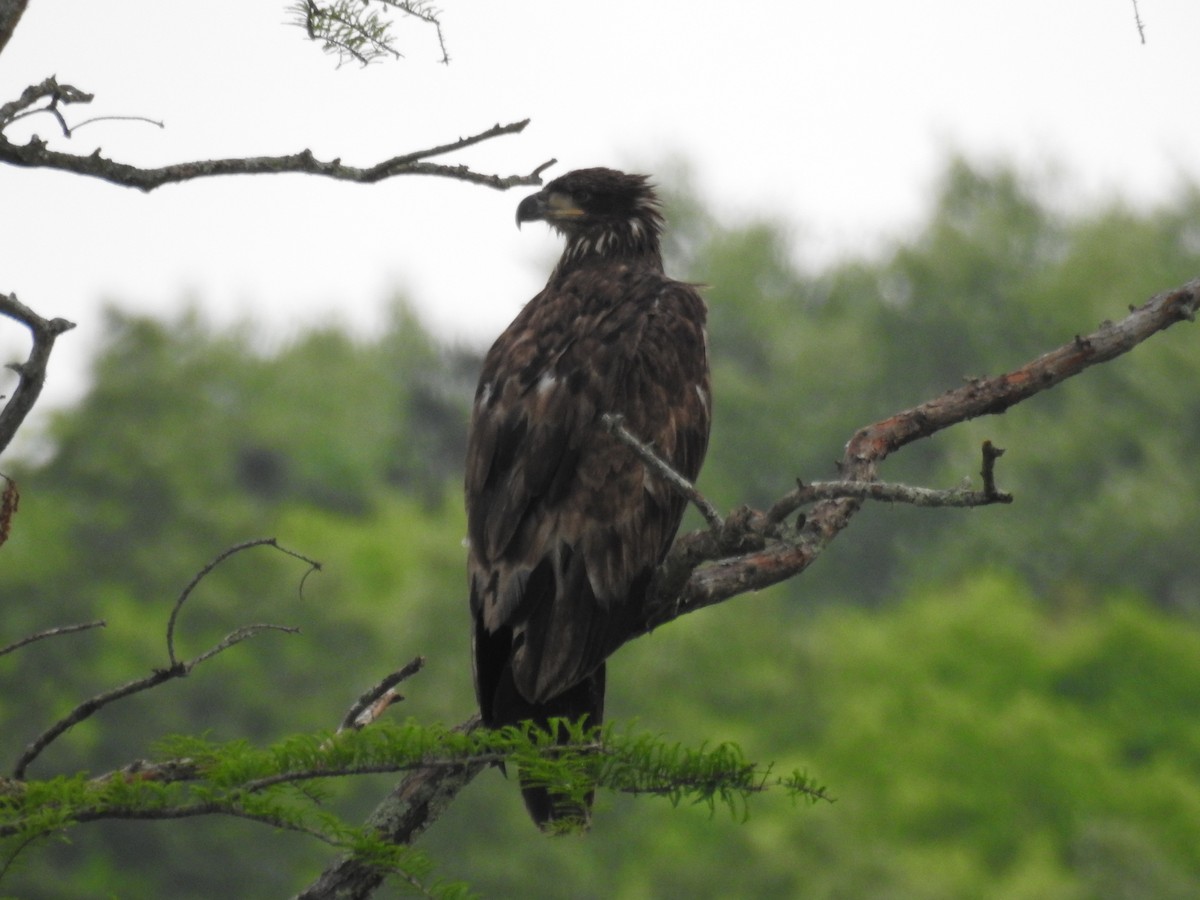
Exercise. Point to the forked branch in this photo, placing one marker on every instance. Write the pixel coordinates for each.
(174, 669)
(696, 574)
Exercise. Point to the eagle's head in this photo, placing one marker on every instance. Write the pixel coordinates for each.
(601, 212)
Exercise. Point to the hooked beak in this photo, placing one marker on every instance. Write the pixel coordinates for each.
(553, 207)
(531, 209)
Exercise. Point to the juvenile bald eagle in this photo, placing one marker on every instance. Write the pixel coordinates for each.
(566, 525)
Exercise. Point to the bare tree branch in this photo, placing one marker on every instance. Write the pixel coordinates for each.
(192, 811)
(51, 632)
(663, 469)
(55, 95)
(31, 374)
(805, 494)
(684, 585)
(372, 704)
(37, 154)
(94, 704)
(313, 566)
(175, 668)
(987, 472)
(1137, 19)
(10, 15)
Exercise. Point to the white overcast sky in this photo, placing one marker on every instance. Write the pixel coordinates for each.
(833, 117)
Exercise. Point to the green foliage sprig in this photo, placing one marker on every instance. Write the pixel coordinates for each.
(281, 785)
(285, 784)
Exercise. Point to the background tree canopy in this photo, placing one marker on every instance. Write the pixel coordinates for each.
(1002, 701)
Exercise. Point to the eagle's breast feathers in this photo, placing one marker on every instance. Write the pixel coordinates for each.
(565, 524)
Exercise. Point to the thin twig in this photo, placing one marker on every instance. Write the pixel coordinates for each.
(224, 807)
(885, 492)
(383, 768)
(313, 566)
(183, 811)
(245, 632)
(175, 668)
(371, 704)
(144, 119)
(17, 851)
(663, 469)
(49, 90)
(85, 709)
(1137, 18)
(93, 704)
(991, 453)
(52, 632)
(423, 12)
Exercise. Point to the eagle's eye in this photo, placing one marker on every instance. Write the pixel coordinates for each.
(582, 197)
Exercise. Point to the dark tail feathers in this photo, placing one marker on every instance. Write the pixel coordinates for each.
(550, 811)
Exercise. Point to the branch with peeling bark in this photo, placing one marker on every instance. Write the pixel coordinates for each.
(374, 702)
(697, 573)
(749, 550)
(806, 494)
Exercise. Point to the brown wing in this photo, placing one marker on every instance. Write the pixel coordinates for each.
(565, 524)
